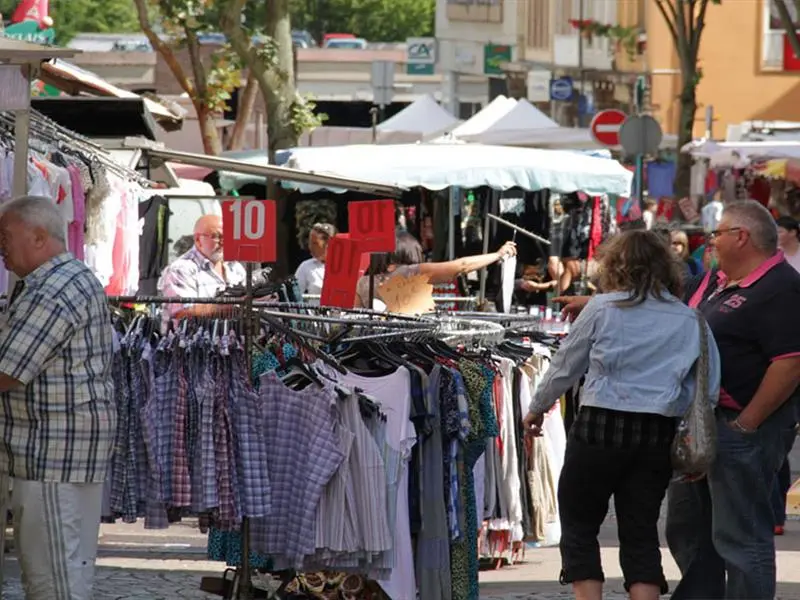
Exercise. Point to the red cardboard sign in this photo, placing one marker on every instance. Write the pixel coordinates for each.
(248, 230)
(372, 222)
(342, 267)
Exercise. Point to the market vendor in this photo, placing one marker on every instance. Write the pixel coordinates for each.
(56, 402)
(200, 273)
(311, 273)
(407, 259)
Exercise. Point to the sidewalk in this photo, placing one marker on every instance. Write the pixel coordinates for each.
(136, 564)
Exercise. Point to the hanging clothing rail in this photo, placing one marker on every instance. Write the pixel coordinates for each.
(46, 130)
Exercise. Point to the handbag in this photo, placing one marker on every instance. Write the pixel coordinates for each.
(694, 447)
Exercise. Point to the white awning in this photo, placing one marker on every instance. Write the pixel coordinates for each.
(281, 173)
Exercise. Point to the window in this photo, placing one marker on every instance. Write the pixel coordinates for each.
(481, 11)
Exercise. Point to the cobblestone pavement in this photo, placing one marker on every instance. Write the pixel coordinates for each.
(136, 564)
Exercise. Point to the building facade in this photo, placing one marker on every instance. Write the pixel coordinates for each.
(604, 46)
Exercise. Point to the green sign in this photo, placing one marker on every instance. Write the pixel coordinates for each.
(493, 57)
(416, 69)
(28, 31)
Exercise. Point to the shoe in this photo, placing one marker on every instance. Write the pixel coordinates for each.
(779, 530)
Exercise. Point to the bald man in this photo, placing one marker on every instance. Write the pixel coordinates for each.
(200, 273)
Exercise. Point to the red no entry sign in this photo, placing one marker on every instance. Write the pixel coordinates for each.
(606, 125)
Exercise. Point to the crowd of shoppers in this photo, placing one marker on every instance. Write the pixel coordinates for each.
(720, 529)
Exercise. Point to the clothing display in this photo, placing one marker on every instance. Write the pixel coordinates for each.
(387, 450)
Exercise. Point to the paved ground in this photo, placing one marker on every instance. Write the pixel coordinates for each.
(135, 564)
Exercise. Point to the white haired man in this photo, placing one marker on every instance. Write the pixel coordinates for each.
(59, 422)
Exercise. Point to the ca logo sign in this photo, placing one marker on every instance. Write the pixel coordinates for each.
(420, 51)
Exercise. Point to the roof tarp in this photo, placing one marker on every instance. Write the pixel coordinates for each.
(423, 116)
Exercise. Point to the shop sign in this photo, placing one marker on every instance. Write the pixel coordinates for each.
(372, 223)
(342, 272)
(29, 31)
(494, 56)
(421, 51)
(249, 231)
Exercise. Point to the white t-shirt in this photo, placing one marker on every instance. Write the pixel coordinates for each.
(394, 394)
(794, 260)
(310, 275)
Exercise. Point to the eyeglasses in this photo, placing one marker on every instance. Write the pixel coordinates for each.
(217, 237)
(712, 235)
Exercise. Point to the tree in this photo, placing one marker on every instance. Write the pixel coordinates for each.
(685, 21)
(71, 17)
(271, 63)
(376, 20)
(211, 82)
(789, 15)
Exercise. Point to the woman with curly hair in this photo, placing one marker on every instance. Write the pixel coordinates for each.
(637, 343)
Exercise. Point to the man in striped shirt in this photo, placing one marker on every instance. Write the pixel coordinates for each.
(57, 419)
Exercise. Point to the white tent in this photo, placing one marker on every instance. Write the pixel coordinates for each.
(423, 116)
(439, 166)
(485, 118)
(523, 117)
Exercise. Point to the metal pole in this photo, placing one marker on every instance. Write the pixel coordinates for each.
(484, 272)
(373, 112)
(22, 128)
(638, 98)
(709, 122)
(451, 216)
(244, 591)
(581, 11)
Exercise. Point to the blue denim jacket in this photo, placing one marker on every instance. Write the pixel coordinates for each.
(639, 359)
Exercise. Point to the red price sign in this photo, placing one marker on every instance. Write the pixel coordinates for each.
(342, 267)
(248, 230)
(372, 222)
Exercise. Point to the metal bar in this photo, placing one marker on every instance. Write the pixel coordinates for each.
(443, 299)
(283, 173)
(244, 591)
(487, 227)
(518, 229)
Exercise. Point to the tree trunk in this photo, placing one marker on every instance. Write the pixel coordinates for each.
(246, 105)
(209, 133)
(280, 130)
(685, 135)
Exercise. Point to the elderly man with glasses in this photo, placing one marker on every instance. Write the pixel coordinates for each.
(200, 273)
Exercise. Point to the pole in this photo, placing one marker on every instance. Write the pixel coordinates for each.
(581, 15)
(451, 216)
(484, 272)
(709, 122)
(244, 587)
(373, 113)
(638, 98)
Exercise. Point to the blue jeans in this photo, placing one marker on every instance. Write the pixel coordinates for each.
(783, 482)
(723, 525)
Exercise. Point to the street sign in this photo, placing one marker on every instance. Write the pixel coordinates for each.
(561, 89)
(640, 135)
(605, 127)
(538, 85)
(382, 81)
(421, 51)
(249, 230)
(372, 223)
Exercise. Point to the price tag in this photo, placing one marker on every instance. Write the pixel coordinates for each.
(342, 271)
(249, 230)
(372, 222)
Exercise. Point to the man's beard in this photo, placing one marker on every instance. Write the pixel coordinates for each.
(216, 256)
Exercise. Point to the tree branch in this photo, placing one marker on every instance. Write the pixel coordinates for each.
(788, 24)
(163, 48)
(198, 70)
(665, 8)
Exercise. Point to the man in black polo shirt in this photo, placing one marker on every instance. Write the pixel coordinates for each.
(751, 304)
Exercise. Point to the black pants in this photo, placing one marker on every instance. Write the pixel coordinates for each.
(637, 477)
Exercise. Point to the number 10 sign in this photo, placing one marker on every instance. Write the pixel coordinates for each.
(248, 230)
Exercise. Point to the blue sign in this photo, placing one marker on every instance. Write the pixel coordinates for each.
(561, 89)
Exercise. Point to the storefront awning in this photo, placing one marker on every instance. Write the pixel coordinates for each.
(281, 173)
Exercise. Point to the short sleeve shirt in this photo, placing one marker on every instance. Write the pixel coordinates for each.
(754, 324)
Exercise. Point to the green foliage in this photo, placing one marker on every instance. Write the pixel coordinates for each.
(374, 20)
(84, 16)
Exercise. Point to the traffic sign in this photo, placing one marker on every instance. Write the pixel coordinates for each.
(372, 223)
(561, 89)
(640, 135)
(383, 81)
(605, 126)
(248, 230)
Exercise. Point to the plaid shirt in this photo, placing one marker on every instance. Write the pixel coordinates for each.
(57, 340)
(193, 276)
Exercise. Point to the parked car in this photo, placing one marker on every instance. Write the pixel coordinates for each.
(347, 43)
(303, 39)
